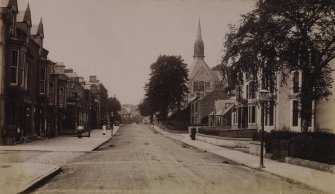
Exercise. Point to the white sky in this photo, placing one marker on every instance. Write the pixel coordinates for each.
(118, 40)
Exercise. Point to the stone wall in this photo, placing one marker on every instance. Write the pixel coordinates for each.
(242, 144)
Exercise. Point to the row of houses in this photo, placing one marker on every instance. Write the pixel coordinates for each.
(232, 108)
(40, 98)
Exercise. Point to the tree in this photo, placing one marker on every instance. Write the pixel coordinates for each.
(112, 106)
(145, 108)
(287, 35)
(167, 85)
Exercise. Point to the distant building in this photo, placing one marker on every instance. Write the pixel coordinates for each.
(125, 114)
(99, 97)
(76, 103)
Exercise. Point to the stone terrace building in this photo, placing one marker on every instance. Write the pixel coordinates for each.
(36, 93)
(23, 59)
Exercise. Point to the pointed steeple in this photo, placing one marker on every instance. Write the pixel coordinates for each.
(27, 15)
(199, 44)
(40, 29)
(199, 37)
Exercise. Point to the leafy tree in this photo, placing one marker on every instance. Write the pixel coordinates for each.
(167, 85)
(145, 108)
(112, 106)
(283, 36)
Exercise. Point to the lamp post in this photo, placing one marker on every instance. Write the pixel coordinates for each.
(89, 120)
(263, 97)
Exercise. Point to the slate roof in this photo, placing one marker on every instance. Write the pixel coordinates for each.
(196, 66)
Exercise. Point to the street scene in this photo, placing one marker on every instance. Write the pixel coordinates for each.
(152, 163)
(167, 96)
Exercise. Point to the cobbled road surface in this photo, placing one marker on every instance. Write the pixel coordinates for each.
(140, 160)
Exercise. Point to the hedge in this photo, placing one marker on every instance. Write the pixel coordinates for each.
(315, 146)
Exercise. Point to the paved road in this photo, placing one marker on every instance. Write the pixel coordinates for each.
(139, 160)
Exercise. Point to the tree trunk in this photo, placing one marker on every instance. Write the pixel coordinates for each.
(306, 100)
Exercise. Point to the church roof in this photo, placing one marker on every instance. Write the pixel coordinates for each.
(197, 65)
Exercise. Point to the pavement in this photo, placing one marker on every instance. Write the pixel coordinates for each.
(25, 166)
(320, 180)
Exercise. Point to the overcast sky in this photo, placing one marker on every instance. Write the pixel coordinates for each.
(118, 40)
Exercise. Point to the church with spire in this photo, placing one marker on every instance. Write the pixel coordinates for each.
(202, 79)
(205, 85)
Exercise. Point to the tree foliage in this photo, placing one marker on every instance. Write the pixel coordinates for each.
(113, 104)
(167, 88)
(145, 108)
(280, 36)
(112, 107)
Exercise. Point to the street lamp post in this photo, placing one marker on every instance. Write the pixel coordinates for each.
(263, 96)
(89, 121)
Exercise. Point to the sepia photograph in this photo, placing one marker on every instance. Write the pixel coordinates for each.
(167, 96)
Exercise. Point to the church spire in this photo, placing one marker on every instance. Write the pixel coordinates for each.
(199, 44)
(199, 37)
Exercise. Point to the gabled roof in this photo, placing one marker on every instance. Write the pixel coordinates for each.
(197, 65)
